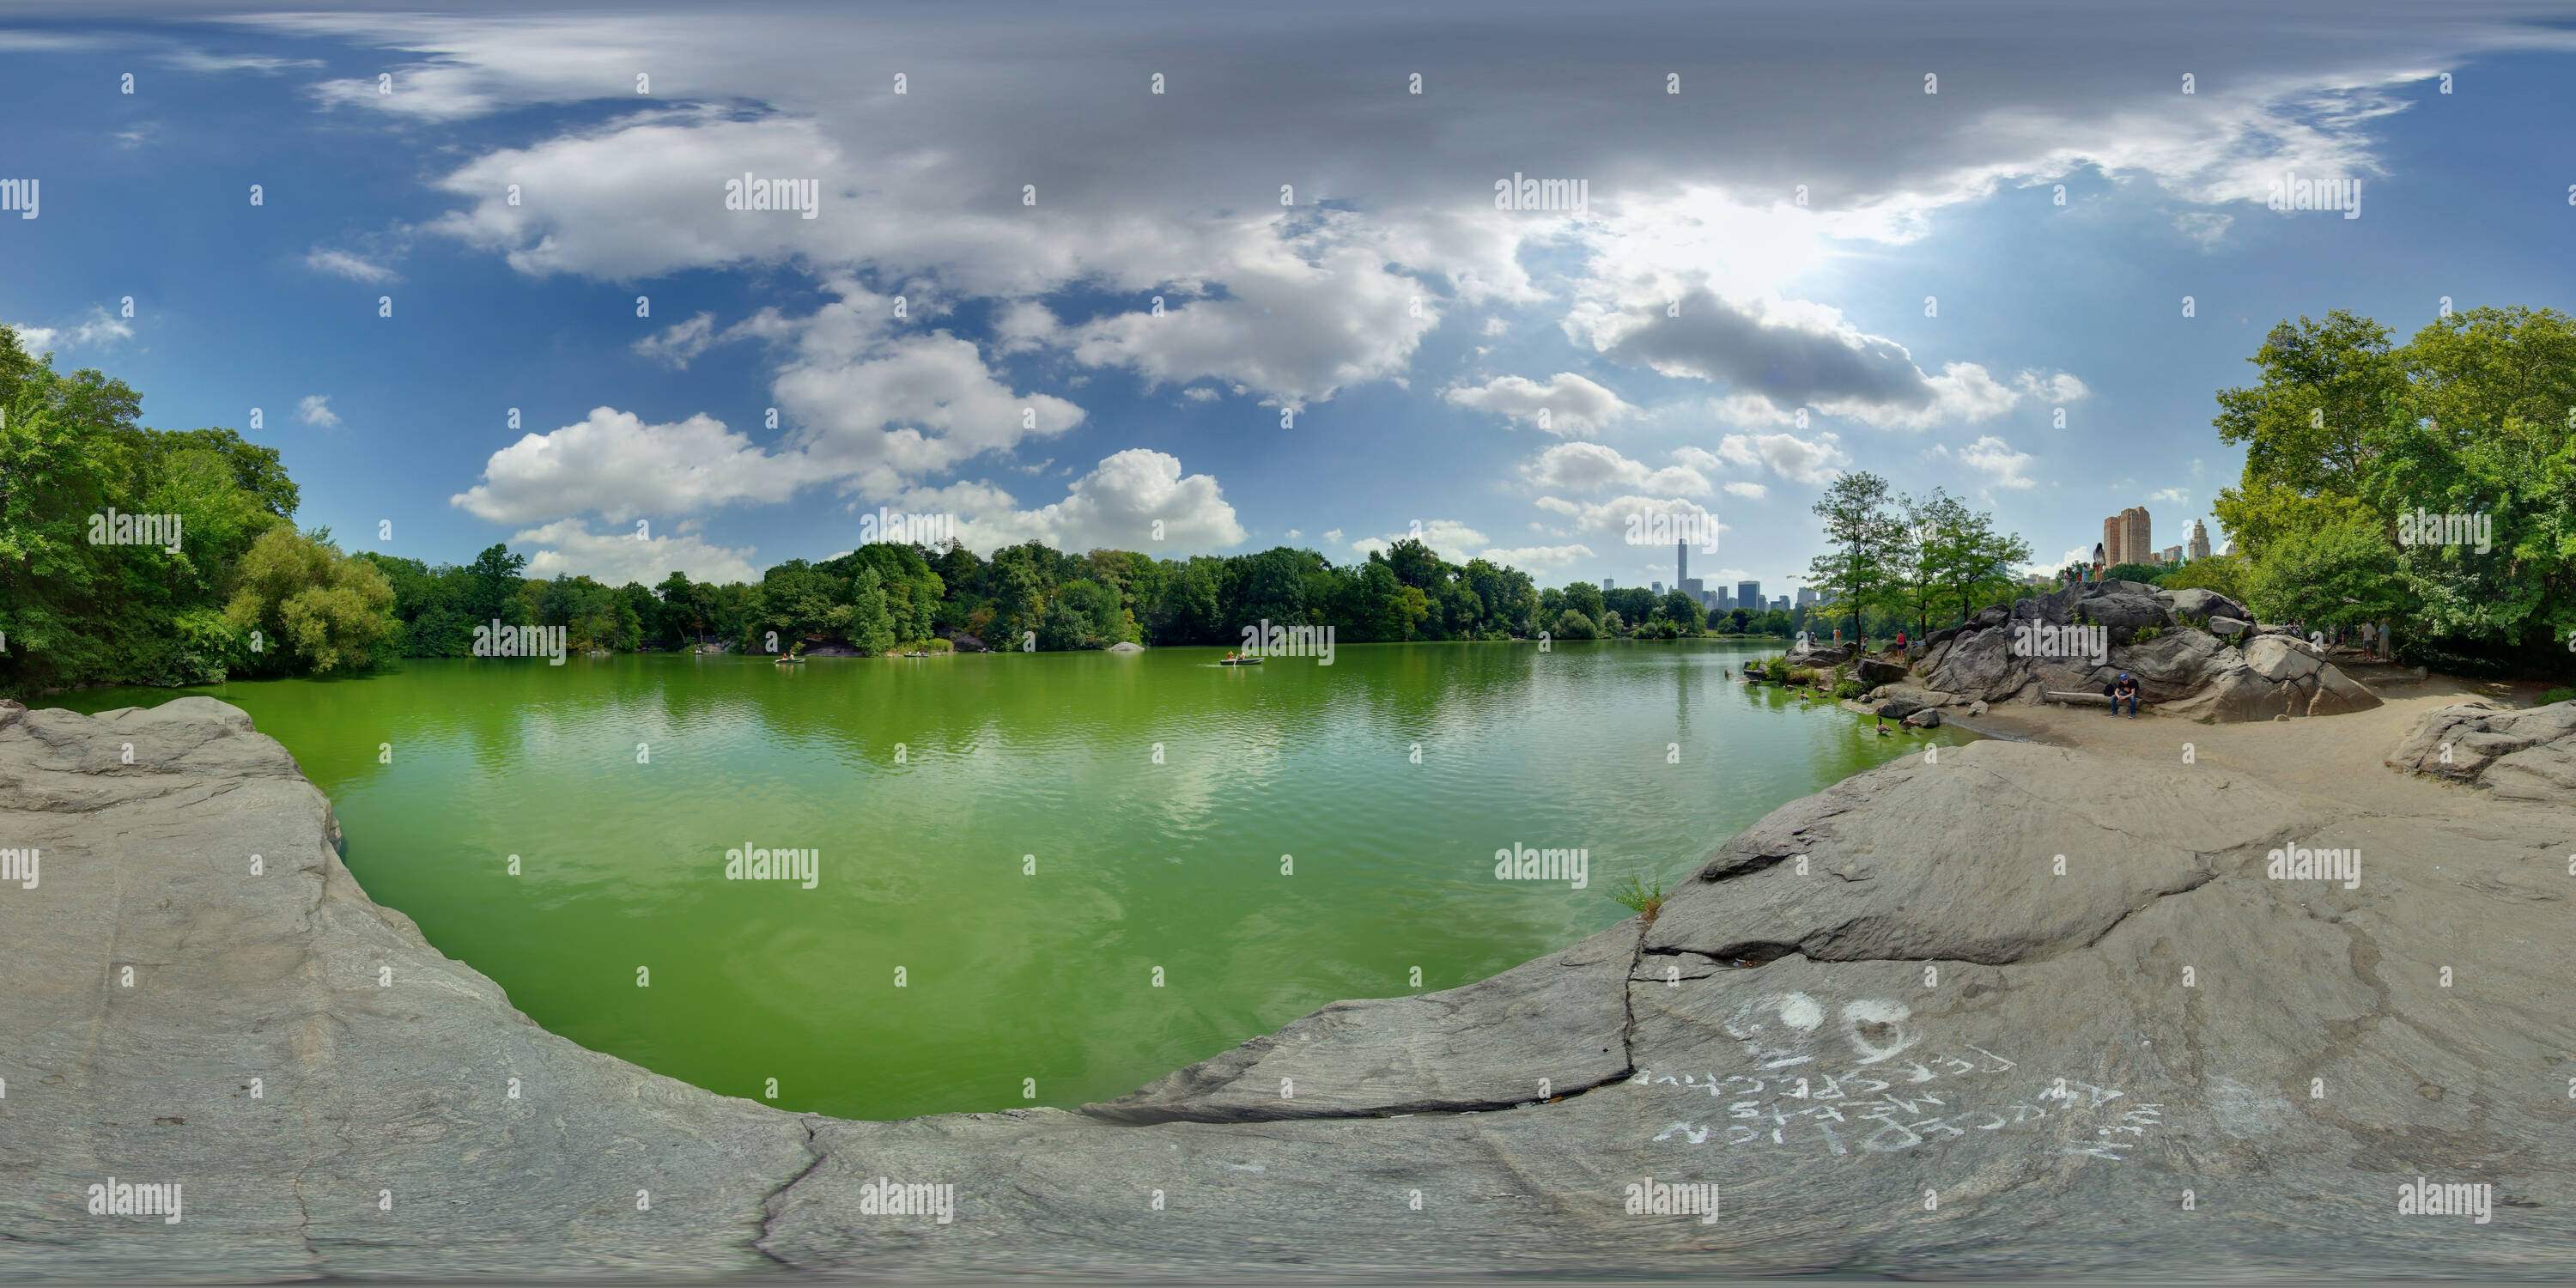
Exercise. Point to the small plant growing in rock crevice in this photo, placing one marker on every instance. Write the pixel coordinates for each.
(1634, 894)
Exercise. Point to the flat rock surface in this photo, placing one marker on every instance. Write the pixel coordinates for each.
(1927, 1054)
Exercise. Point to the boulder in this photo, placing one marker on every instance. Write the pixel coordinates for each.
(2197, 601)
(2124, 610)
(1899, 708)
(963, 642)
(2276, 657)
(1981, 666)
(1927, 718)
(2529, 754)
(1873, 671)
(1821, 653)
(2055, 1086)
(2228, 627)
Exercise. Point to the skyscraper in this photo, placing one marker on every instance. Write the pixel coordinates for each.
(1748, 596)
(2199, 546)
(2128, 537)
(1682, 580)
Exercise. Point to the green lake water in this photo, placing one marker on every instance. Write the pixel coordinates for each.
(922, 856)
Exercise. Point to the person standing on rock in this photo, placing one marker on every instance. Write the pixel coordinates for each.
(2127, 688)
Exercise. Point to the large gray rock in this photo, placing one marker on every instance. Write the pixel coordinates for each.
(2198, 601)
(1874, 993)
(1872, 671)
(1556, 1022)
(2280, 657)
(2528, 754)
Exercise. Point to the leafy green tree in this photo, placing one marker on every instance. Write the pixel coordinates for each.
(2333, 577)
(315, 608)
(872, 626)
(1863, 540)
(2229, 574)
(1572, 624)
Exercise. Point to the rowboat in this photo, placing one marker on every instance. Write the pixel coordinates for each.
(1239, 661)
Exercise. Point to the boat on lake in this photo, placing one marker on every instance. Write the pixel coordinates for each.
(1239, 661)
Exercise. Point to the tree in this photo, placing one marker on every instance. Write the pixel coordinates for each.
(2331, 578)
(2151, 574)
(1683, 611)
(872, 629)
(1863, 539)
(2305, 425)
(1571, 624)
(315, 608)
(2228, 574)
(492, 587)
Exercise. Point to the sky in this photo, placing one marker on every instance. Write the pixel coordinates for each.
(476, 271)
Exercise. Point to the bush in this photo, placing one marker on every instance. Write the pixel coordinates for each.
(1848, 690)
(1634, 894)
(2557, 695)
(2151, 574)
(1799, 675)
(2229, 575)
(2145, 633)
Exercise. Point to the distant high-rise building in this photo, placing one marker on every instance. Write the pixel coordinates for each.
(1605, 584)
(2169, 555)
(1657, 586)
(2199, 540)
(1780, 603)
(1807, 597)
(1682, 580)
(1725, 601)
(2129, 537)
(1748, 596)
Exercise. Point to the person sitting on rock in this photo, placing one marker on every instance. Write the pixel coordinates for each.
(2124, 687)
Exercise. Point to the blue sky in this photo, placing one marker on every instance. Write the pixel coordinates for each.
(1414, 332)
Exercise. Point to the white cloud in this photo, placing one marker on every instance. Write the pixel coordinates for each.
(568, 546)
(1799, 460)
(2174, 494)
(614, 464)
(1590, 467)
(1568, 404)
(99, 329)
(315, 410)
(35, 339)
(1749, 491)
(679, 344)
(1533, 558)
(1997, 459)
(1448, 538)
(348, 264)
(1115, 506)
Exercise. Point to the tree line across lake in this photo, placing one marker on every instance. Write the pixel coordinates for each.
(2345, 433)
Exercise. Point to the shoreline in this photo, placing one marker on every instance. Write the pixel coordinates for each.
(419, 1086)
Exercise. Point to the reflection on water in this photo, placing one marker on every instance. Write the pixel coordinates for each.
(1027, 838)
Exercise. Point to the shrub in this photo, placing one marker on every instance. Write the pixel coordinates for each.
(1848, 690)
(2557, 695)
(2145, 633)
(1799, 675)
(1634, 894)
